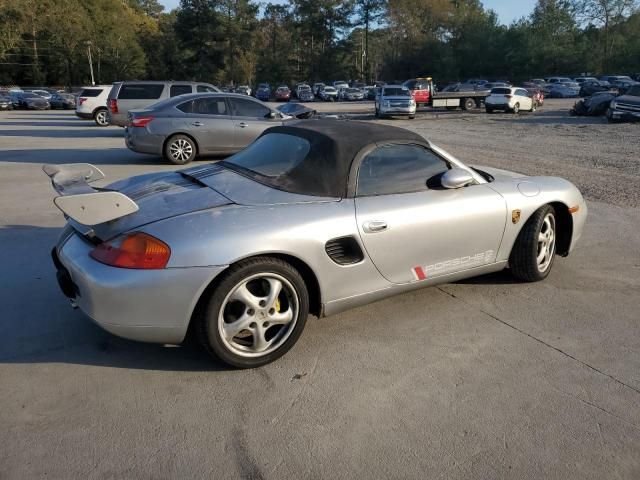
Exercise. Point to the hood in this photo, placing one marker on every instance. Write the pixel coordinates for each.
(629, 99)
(159, 196)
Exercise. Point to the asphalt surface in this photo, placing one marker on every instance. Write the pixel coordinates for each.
(485, 378)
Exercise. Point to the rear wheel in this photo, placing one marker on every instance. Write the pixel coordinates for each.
(535, 248)
(469, 104)
(256, 313)
(516, 108)
(533, 107)
(180, 150)
(101, 118)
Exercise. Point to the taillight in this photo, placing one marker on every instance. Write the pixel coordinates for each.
(136, 250)
(140, 121)
(113, 105)
(81, 100)
(508, 96)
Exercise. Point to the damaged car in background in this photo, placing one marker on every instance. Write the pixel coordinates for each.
(314, 217)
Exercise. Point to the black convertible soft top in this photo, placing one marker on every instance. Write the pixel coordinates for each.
(334, 144)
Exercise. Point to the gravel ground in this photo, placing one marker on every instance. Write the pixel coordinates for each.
(484, 378)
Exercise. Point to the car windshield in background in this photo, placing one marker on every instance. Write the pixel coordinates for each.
(30, 95)
(91, 92)
(501, 91)
(352, 90)
(271, 155)
(396, 92)
(634, 91)
(329, 89)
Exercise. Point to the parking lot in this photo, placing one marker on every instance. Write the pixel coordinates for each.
(485, 378)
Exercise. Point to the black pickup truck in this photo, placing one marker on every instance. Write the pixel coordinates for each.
(625, 107)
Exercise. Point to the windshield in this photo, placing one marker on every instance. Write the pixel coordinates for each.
(396, 92)
(271, 155)
(329, 89)
(634, 91)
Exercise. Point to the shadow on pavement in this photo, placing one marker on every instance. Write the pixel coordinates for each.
(86, 131)
(38, 325)
(104, 156)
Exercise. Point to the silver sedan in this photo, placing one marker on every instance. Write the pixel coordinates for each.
(186, 126)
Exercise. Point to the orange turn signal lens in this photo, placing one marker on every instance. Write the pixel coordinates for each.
(574, 209)
(136, 250)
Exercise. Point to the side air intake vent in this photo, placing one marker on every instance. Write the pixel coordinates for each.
(344, 250)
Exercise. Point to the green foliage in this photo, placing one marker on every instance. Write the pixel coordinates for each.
(246, 42)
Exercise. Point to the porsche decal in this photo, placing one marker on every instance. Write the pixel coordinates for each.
(515, 216)
(421, 273)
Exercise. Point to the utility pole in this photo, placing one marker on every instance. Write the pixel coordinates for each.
(93, 82)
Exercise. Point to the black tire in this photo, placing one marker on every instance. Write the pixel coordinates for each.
(489, 110)
(523, 260)
(101, 118)
(180, 150)
(411, 117)
(207, 324)
(468, 104)
(516, 108)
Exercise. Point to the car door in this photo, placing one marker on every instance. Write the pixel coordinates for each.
(414, 229)
(209, 121)
(250, 119)
(526, 102)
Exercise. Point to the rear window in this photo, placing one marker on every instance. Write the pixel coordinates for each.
(396, 92)
(500, 91)
(206, 89)
(140, 91)
(179, 90)
(272, 155)
(91, 92)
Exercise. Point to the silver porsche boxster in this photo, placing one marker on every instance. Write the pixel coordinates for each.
(317, 216)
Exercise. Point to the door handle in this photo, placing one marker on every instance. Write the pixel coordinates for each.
(374, 226)
(197, 124)
(242, 125)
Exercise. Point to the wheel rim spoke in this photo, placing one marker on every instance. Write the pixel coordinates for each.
(281, 318)
(234, 328)
(242, 294)
(275, 287)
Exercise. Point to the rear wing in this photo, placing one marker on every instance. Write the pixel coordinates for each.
(85, 204)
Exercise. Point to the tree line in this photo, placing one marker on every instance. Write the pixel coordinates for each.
(48, 42)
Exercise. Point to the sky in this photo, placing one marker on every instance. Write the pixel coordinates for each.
(507, 10)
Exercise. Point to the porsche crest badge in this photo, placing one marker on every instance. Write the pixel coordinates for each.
(515, 216)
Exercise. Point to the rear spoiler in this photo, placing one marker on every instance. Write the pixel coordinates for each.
(85, 204)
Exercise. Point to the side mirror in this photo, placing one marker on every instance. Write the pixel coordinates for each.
(272, 115)
(456, 178)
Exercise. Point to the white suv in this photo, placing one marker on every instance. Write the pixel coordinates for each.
(92, 104)
(509, 99)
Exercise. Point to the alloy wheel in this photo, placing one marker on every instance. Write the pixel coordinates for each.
(546, 243)
(258, 315)
(181, 150)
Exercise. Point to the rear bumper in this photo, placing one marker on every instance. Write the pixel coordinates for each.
(119, 119)
(143, 142)
(84, 115)
(144, 305)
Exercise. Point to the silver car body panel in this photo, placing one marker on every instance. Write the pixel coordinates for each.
(212, 217)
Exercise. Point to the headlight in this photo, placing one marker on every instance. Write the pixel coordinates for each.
(613, 104)
(412, 102)
(387, 103)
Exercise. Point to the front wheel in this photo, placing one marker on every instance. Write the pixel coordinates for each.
(255, 314)
(101, 118)
(533, 107)
(535, 248)
(489, 110)
(180, 150)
